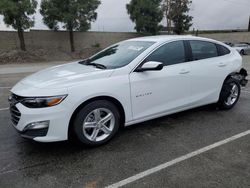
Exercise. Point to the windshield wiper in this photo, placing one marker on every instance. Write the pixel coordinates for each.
(97, 65)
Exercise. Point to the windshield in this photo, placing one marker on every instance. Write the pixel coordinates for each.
(120, 54)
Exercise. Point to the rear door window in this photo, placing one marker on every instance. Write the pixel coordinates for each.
(203, 49)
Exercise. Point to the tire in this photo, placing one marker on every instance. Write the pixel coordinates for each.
(230, 94)
(242, 52)
(89, 126)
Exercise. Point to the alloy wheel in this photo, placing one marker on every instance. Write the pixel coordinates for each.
(98, 124)
(233, 95)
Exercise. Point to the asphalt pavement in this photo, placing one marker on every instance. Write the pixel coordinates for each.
(135, 149)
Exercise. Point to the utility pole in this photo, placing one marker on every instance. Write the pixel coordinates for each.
(166, 9)
(167, 16)
(249, 24)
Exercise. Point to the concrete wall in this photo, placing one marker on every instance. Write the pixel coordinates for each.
(37, 39)
(229, 37)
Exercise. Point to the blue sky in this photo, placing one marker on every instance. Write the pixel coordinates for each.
(208, 14)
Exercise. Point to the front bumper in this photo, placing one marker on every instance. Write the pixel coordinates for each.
(34, 133)
(57, 118)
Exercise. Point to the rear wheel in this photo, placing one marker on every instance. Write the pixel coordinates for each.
(230, 94)
(242, 52)
(96, 123)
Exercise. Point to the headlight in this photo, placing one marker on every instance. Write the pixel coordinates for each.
(42, 102)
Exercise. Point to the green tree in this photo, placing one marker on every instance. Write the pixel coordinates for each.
(146, 14)
(17, 13)
(177, 12)
(74, 15)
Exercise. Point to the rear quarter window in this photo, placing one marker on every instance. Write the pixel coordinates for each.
(222, 50)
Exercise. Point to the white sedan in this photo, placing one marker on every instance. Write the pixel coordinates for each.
(130, 82)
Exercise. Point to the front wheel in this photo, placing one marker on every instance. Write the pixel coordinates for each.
(96, 123)
(230, 94)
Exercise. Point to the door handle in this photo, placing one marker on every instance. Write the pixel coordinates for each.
(222, 65)
(184, 71)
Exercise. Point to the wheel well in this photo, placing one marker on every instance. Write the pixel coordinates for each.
(231, 75)
(228, 77)
(107, 98)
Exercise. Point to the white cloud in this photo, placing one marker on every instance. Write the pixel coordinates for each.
(220, 14)
(208, 14)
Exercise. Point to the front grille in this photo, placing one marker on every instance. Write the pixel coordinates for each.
(15, 115)
(14, 112)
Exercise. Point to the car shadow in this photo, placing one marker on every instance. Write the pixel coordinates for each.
(164, 122)
(130, 140)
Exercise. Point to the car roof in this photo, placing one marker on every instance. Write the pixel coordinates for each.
(165, 38)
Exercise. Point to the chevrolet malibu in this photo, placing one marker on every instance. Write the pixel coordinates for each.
(127, 83)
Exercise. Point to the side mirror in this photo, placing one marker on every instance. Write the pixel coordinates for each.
(150, 66)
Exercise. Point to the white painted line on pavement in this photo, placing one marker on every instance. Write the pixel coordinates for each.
(2, 109)
(177, 160)
(5, 87)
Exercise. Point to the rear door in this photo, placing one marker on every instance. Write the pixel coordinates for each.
(209, 69)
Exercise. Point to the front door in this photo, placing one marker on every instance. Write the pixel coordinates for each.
(160, 92)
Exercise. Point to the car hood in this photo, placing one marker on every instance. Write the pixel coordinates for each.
(64, 76)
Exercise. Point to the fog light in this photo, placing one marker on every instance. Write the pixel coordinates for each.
(37, 125)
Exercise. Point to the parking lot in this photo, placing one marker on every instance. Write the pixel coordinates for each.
(173, 151)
